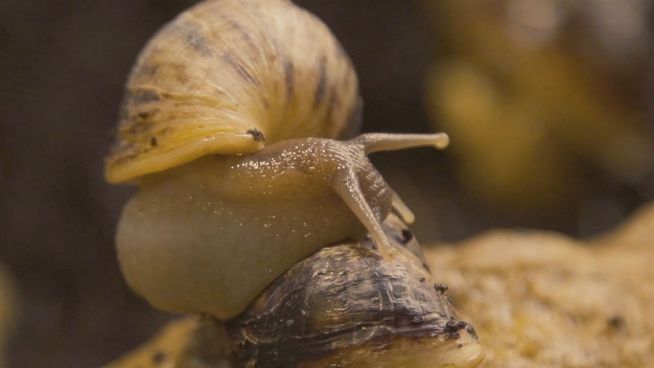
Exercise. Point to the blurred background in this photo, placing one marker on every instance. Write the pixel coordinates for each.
(549, 104)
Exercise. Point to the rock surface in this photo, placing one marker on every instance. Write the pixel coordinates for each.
(541, 299)
(186, 343)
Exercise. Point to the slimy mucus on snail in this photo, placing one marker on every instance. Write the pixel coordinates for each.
(228, 127)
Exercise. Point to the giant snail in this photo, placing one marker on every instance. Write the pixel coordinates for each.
(228, 128)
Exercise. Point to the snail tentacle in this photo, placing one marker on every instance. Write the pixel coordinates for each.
(348, 188)
(402, 209)
(375, 142)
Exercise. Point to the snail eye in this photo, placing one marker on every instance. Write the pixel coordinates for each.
(405, 236)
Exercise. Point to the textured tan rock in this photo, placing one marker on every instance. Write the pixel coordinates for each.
(185, 343)
(541, 299)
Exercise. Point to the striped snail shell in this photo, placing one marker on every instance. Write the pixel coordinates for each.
(227, 77)
(345, 306)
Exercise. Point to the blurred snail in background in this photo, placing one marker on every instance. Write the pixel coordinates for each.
(528, 88)
(228, 128)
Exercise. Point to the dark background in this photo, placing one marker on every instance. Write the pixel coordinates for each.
(62, 69)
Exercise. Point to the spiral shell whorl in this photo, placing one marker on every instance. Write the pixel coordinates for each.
(226, 75)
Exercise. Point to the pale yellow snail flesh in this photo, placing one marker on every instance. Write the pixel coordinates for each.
(219, 216)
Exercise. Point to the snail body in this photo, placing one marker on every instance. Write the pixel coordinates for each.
(189, 242)
(228, 128)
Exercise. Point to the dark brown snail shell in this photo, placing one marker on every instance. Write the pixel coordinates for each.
(346, 306)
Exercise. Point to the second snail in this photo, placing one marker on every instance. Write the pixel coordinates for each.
(229, 128)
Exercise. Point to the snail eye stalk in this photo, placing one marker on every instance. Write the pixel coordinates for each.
(347, 185)
(348, 188)
(375, 142)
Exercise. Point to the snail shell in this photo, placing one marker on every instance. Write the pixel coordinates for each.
(345, 306)
(227, 75)
(218, 216)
